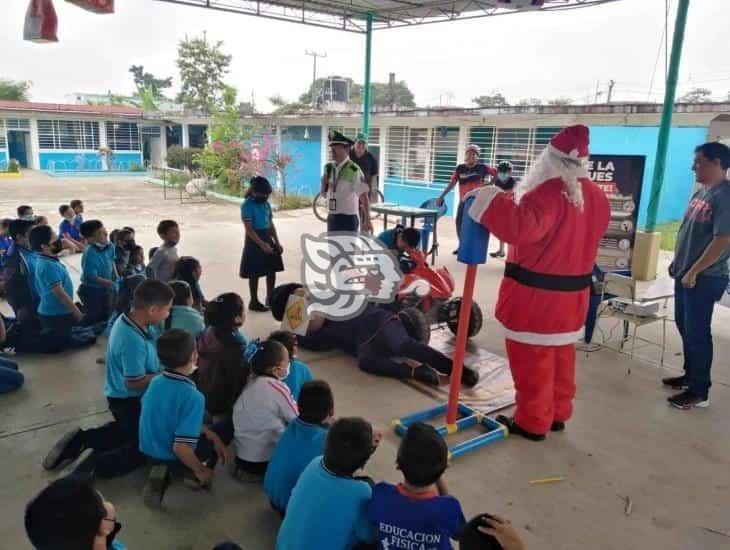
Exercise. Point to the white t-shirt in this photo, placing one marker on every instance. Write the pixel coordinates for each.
(348, 190)
(260, 415)
(162, 265)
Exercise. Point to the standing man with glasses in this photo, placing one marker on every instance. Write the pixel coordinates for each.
(367, 162)
(700, 271)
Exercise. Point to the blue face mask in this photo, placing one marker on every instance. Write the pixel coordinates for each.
(502, 176)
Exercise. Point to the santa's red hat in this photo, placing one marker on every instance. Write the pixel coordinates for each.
(571, 142)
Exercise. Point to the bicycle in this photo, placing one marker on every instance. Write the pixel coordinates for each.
(320, 206)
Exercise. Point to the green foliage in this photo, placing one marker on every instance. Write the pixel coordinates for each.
(697, 95)
(136, 167)
(529, 102)
(291, 202)
(496, 99)
(148, 82)
(177, 179)
(14, 90)
(13, 166)
(379, 94)
(560, 102)
(147, 99)
(202, 68)
(669, 232)
(182, 158)
(226, 124)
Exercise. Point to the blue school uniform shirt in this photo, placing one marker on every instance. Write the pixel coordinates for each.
(326, 511)
(50, 272)
(188, 319)
(300, 443)
(404, 520)
(172, 412)
(97, 262)
(6, 244)
(259, 213)
(387, 237)
(299, 374)
(68, 226)
(131, 354)
(77, 221)
(239, 337)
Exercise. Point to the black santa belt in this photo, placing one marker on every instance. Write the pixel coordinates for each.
(566, 283)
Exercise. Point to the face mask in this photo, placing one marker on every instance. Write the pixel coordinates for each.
(503, 176)
(261, 199)
(286, 372)
(100, 246)
(30, 218)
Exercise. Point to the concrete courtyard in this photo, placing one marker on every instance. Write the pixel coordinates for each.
(624, 442)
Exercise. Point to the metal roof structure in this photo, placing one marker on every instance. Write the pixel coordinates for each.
(350, 15)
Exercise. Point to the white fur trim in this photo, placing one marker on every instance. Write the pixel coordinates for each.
(482, 200)
(551, 164)
(573, 155)
(539, 339)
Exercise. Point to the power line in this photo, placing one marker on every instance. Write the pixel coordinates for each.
(314, 55)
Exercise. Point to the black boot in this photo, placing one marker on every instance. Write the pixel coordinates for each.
(515, 429)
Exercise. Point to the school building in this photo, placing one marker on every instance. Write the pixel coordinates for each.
(418, 149)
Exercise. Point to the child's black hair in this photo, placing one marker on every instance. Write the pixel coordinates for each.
(279, 297)
(151, 253)
(422, 455)
(184, 269)
(19, 227)
(164, 226)
(348, 446)
(152, 293)
(286, 338)
(175, 348)
(412, 237)
(130, 229)
(23, 210)
(125, 295)
(221, 315)
(65, 515)
(113, 235)
(89, 227)
(122, 235)
(76, 202)
(182, 293)
(39, 236)
(136, 251)
(472, 538)
(63, 208)
(315, 401)
(264, 356)
(259, 184)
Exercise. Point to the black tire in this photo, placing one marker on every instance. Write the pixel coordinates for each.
(320, 207)
(416, 324)
(476, 319)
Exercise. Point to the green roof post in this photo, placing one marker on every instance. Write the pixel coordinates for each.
(366, 97)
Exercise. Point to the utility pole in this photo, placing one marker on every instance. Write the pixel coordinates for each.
(611, 84)
(314, 56)
(391, 91)
(599, 93)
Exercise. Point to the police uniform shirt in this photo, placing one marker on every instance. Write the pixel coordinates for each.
(345, 185)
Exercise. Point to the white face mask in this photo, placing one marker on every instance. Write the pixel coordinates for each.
(502, 176)
(286, 372)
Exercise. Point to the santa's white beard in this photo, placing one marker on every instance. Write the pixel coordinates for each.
(550, 166)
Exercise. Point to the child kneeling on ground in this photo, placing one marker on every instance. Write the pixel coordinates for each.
(419, 509)
(183, 315)
(301, 442)
(98, 273)
(171, 422)
(299, 373)
(328, 507)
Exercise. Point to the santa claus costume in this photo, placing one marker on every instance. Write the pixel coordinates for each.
(553, 221)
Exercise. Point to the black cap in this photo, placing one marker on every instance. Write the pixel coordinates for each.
(279, 297)
(337, 138)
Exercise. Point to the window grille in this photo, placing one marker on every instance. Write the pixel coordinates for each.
(122, 136)
(68, 134)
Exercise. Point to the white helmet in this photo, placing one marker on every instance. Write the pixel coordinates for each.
(473, 147)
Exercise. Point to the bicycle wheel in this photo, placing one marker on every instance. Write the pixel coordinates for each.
(320, 207)
(376, 196)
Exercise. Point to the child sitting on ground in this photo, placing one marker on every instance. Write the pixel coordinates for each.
(328, 507)
(123, 245)
(301, 442)
(98, 273)
(488, 532)
(171, 422)
(125, 296)
(183, 315)
(136, 262)
(67, 231)
(222, 369)
(188, 269)
(263, 410)
(78, 208)
(10, 377)
(5, 241)
(162, 264)
(419, 509)
(25, 212)
(299, 372)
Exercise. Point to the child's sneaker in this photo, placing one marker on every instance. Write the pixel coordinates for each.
(676, 382)
(244, 476)
(687, 400)
(157, 482)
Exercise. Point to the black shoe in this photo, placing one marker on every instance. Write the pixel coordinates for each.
(515, 429)
(426, 375)
(258, 306)
(156, 485)
(469, 377)
(687, 400)
(66, 450)
(676, 382)
(494, 254)
(557, 426)
(501, 255)
(455, 252)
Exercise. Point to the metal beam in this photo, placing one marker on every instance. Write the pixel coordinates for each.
(366, 96)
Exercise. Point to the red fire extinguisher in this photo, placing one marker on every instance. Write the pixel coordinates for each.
(41, 22)
(97, 6)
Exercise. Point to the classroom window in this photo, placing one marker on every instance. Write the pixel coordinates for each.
(3, 141)
(122, 136)
(68, 134)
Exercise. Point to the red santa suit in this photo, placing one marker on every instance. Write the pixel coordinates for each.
(553, 220)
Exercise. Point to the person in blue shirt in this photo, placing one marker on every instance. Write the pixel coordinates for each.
(11, 378)
(301, 442)
(5, 241)
(328, 507)
(299, 372)
(67, 230)
(171, 430)
(183, 315)
(400, 238)
(78, 208)
(70, 513)
(131, 364)
(57, 311)
(98, 273)
(419, 509)
(188, 269)
(136, 264)
(262, 250)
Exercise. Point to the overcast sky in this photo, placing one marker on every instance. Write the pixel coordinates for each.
(522, 55)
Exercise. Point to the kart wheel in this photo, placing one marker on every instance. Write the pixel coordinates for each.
(416, 324)
(410, 300)
(476, 318)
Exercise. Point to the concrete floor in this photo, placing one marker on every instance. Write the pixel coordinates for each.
(623, 442)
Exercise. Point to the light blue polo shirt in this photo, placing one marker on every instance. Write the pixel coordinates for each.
(130, 355)
(50, 272)
(188, 319)
(299, 374)
(299, 444)
(172, 412)
(97, 262)
(259, 213)
(30, 258)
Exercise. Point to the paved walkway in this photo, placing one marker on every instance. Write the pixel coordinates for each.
(624, 441)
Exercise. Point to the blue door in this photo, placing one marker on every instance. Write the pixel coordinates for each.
(16, 147)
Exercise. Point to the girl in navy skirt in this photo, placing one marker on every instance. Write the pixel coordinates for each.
(262, 249)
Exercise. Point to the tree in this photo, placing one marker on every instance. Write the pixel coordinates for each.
(283, 107)
(560, 102)
(495, 99)
(148, 81)
(697, 95)
(529, 102)
(14, 90)
(202, 68)
(380, 94)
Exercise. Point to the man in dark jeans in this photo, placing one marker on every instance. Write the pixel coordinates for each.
(700, 269)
